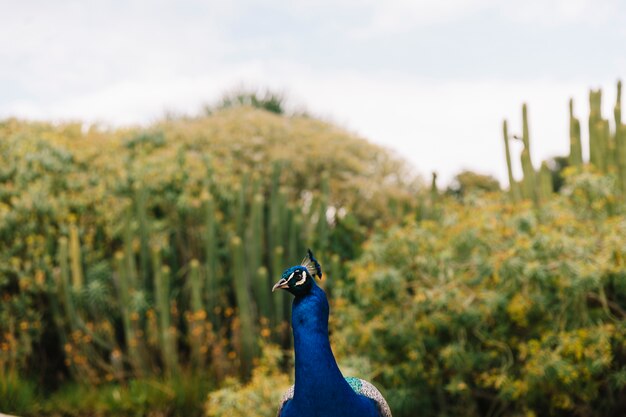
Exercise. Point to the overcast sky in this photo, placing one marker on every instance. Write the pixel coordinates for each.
(431, 80)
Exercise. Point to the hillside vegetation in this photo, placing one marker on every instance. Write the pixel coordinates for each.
(149, 254)
(496, 309)
(136, 267)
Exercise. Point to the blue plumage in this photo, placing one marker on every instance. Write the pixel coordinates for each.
(320, 388)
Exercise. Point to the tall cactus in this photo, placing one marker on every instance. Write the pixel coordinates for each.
(322, 229)
(513, 187)
(596, 131)
(167, 333)
(211, 261)
(55, 308)
(75, 258)
(195, 282)
(240, 207)
(609, 147)
(254, 248)
(279, 297)
(261, 278)
(575, 144)
(277, 228)
(294, 247)
(617, 111)
(283, 216)
(274, 220)
(334, 275)
(141, 214)
(620, 140)
(545, 182)
(529, 182)
(196, 315)
(434, 192)
(620, 155)
(129, 253)
(65, 288)
(244, 305)
(129, 320)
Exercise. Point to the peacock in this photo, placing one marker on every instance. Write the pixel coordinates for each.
(320, 389)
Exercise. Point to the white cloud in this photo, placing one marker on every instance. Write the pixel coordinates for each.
(50, 47)
(436, 124)
(127, 62)
(399, 16)
(393, 17)
(556, 12)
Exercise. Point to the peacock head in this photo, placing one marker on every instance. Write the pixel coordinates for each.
(299, 279)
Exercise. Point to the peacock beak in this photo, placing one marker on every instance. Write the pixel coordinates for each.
(280, 284)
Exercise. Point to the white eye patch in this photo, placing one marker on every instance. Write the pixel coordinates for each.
(301, 281)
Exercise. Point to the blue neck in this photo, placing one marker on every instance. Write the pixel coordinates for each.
(320, 388)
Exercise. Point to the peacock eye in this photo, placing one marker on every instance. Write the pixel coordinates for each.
(301, 280)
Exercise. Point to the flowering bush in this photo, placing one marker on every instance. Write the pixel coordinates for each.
(496, 309)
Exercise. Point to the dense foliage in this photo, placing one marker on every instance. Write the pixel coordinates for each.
(496, 309)
(148, 254)
(135, 268)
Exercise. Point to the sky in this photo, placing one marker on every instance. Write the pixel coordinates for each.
(430, 80)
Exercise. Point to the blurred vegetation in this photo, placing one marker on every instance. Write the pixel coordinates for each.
(134, 256)
(607, 151)
(466, 182)
(260, 396)
(265, 100)
(136, 265)
(496, 309)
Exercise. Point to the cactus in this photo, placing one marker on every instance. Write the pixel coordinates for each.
(240, 207)
(57, 315)
(545, 182)
(576, 150)
(141, 214)
(322, 229)
(278, 222)
(64, 284)
(513, 187)
(129, 253)
(195, 286)
(434, 192)
(278, 297)
(244, 305)
(261, 278)
(75, 258)
(617, 111)
(620, 141)
(596, 131)
(283, 214)
(274, 219)
(210, 266)
(529, 184)
(167, 333)
(294, 240)
(620, 155)
(335, 273)
(254, 248)
(609, 147)
(195, 316)
(128, 321)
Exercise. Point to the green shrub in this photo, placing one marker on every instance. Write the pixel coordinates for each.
(16, 395)
(100, 231)
(183, 396)
(495, 309)
(258, 398)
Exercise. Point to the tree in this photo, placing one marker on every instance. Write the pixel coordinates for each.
(468, 181)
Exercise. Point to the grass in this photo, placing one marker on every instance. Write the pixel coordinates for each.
(181, 396)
